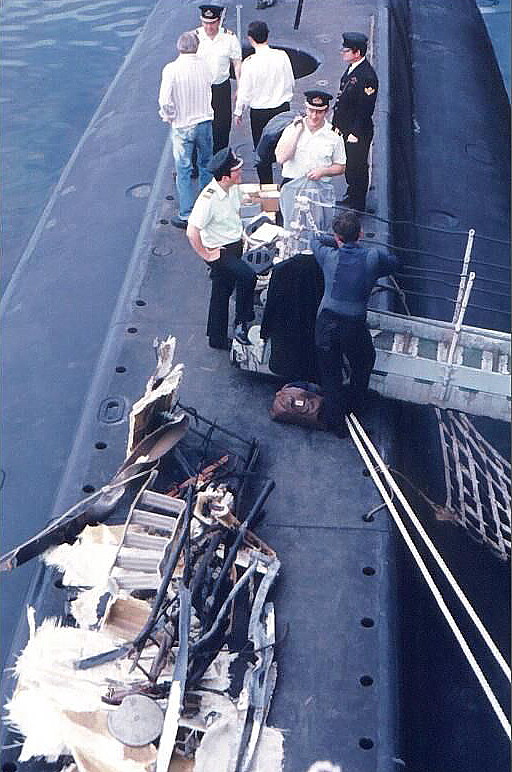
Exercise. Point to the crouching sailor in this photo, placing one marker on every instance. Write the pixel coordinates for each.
(350, 271)
(215, 233)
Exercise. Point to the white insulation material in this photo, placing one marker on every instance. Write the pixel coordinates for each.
(48, 686)
(88, 561)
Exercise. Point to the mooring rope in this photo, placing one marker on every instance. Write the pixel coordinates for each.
(358, 434)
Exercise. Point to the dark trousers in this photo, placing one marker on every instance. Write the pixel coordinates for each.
(356, 172)
(226, 273)
(336, 336)
(259, 119)
(221, 104)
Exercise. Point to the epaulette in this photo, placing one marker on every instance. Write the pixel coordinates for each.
(229, 31)
(208, 193)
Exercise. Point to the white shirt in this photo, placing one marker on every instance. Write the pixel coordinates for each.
(266, 80)
(217, 215)
(318, 148)
(218, 52)
(185, 97)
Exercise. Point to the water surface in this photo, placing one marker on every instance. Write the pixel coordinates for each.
(58, 58)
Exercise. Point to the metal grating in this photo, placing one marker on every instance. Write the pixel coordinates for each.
(477, 482)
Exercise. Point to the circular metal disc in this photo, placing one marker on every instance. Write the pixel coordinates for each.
(137, 721)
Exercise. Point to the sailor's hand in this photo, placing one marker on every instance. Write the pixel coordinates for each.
(352, 138)
(211, 254)
(238, 120)
(315, 174)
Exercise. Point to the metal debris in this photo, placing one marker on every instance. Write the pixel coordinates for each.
(176, 600)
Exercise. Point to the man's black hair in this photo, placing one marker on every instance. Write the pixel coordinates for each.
(361, 47)
(347, 226)
(258, 31)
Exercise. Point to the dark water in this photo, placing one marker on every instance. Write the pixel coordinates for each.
(58, 59)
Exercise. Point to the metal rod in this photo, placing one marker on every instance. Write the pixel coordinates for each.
(456, 334)
(464, 273)
(225, 606)
(239, 22)
(258, 504)
(298, 14)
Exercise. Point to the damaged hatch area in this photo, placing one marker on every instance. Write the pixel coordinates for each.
(170, 662)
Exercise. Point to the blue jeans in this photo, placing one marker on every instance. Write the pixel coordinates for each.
(183, 143)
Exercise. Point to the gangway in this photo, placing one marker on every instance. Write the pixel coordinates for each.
(425, 361)
(413, 364)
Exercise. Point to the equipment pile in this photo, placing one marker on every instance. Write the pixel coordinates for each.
(170, 662)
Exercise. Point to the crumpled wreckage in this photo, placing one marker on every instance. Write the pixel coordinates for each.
(171, 663)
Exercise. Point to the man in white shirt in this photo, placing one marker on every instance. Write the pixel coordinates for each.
(185, 103)
(215, 233)
(309, 147)
(266, 82)
(220, 48)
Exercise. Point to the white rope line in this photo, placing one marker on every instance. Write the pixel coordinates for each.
(351, 423)
(434, 552)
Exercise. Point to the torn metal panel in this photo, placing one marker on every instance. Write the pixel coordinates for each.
(93, 509)
(97, 507)
(160, 396)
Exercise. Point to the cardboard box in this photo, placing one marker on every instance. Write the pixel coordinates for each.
(268, 195)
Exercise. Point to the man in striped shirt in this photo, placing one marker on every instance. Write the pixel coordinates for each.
(185, 103)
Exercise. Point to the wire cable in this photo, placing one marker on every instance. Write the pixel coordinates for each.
(425, 253)
(450, 284)
(420, 226)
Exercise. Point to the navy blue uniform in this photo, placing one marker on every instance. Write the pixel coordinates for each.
(353, 112)
(350, 271)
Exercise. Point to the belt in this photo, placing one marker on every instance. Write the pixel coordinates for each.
(232, 244)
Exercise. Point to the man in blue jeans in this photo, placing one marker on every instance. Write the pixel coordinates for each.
(350, 271)
(185, 103)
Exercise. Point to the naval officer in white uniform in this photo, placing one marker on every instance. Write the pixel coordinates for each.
(220, 48)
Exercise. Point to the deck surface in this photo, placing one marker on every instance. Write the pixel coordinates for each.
(97, 250)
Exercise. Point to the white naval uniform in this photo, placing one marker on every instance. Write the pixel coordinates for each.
(322, 147)
(218, 52)
(216, 213)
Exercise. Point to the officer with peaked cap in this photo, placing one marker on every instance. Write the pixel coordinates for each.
(220, 48)
(215, 233)
(352, 116)
(308, 147)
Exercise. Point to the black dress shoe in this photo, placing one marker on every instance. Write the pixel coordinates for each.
(179, 223)
(240, 334)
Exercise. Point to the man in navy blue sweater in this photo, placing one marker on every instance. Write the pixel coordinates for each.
(350, 271)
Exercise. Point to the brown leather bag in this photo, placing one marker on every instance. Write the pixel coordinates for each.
(294, 404)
